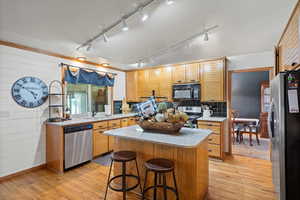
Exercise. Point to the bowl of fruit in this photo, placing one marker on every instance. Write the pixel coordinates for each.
(164, 120)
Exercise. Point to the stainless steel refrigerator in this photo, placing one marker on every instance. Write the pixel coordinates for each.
(284, 131)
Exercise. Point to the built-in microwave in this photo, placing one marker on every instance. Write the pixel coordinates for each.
(190, 91)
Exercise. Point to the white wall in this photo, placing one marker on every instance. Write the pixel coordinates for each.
(22, 134)
(254, 60)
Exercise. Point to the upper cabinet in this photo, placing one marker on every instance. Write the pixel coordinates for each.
(211, 76)
(213, 81)
(289, 43)
(192, 72)
(131, 86)
(178, 74)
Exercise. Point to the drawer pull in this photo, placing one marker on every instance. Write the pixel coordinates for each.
(209, 139)
(209, 150)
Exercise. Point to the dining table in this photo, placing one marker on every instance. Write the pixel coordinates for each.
(242, 123)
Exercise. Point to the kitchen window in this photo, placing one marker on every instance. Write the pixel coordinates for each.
(85, 98)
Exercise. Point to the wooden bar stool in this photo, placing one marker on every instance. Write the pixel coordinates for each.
(160, 167)
(123, 157)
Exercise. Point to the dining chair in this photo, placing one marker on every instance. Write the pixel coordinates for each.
(250, 129)
(234, 129)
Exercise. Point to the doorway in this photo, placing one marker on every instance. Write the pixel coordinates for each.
(248, 101)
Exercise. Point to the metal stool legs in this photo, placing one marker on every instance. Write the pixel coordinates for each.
(157, 177)
(111, 163)
(124, 176)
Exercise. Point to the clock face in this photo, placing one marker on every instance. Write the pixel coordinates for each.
(29, 92)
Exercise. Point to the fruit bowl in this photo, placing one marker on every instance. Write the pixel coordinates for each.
(161, 127)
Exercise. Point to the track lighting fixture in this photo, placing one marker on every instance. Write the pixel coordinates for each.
(105, 38)
(124, 25)
(144, 16)
(169, 2)
(88, 48)
(206, 38)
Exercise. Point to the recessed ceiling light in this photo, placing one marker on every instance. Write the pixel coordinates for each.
(169, 2)
(144, 16)
(81, 58)
(125, 26)
(105, 64)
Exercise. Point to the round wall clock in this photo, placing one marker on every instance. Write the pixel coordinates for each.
(29, 92)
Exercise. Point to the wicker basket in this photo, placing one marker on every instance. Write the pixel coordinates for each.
(161, 127)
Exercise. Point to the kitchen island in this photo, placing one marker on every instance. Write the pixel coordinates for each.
(188, 150)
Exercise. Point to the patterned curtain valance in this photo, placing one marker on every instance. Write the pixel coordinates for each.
(88, 77)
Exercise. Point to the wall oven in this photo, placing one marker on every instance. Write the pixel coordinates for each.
(186, 91)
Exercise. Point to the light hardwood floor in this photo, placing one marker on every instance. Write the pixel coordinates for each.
(238, 178)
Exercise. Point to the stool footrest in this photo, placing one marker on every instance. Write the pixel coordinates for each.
(124, 189)
(160, 186)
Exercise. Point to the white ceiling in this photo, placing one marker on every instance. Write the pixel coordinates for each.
(245, 26)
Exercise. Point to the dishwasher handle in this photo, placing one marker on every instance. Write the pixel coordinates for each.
(77, 128)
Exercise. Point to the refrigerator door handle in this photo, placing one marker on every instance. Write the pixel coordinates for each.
(271, 120)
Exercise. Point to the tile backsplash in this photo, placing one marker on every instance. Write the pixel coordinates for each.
(219, 108)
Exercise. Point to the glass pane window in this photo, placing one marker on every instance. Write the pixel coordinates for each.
(84, 98)
(98, 98)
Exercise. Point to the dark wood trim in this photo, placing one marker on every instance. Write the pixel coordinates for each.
(53, 54)
(256, 69)
(289, 22)
(229, 86)
(26, 171)
(229, 95)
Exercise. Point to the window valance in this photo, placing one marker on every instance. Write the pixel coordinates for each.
(88, 77)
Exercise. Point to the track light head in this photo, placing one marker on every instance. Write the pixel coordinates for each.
(89, 46)
(144, 16)
(124, 25)
(169, 2)
(105, 38)
(206, 38)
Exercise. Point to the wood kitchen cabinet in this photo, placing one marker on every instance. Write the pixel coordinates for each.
(100, 141)
(215, 140)
(192, 73)
(178, 74)
(165, 83)
(143, 87)
(113, 124)
(100, 144)
(213, 81)
(131, 86)
(210, 74)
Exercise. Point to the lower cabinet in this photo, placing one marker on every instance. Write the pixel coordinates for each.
(100, 142)
(103, 143)
(216, 139)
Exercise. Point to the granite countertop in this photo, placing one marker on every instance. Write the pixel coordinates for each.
(212, 119)
(91, 119)
(188, 137)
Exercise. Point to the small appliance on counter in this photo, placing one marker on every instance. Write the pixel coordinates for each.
(107, 109)
(194, 112)
(207, 112)
(190, 91)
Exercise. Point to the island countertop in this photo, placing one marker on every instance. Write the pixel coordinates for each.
(187, 138)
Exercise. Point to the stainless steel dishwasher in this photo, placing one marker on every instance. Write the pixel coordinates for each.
(78, 144)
